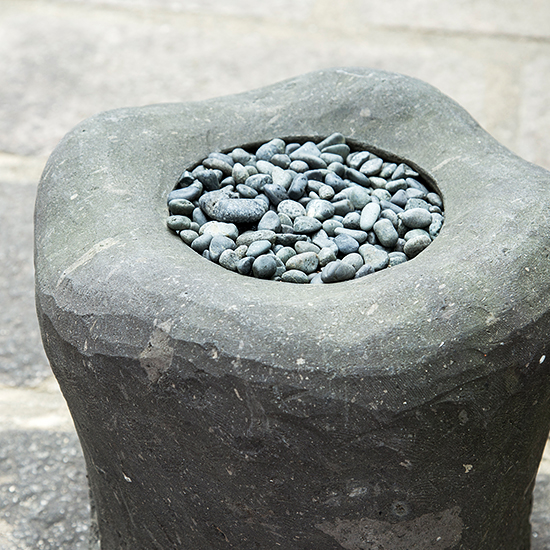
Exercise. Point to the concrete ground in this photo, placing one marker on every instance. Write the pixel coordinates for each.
(64, 60)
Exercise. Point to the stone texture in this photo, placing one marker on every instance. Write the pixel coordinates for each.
(202, 399)
(133, 53)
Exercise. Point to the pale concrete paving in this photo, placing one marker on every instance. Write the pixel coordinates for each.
(62, 61)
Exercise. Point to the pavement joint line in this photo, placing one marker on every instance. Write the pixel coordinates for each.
(15, 168)
(311, 23)
(38, 408)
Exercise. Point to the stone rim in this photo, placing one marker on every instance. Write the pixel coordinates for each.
(376, 308)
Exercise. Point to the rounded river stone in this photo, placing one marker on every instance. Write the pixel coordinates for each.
(386, 233)
(270, 221)
(414, 246)
(295, 276)
(320, 209)
(306, 225)
(264, 267)
(373, 256)
(369, 215)
(306, 262)
(416, 218)
(337, 271)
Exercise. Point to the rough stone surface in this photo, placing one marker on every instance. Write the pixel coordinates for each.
(220, 410)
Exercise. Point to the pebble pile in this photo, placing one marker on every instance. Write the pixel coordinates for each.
(304, 212)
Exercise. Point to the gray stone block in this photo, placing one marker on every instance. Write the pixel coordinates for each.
(406, 409)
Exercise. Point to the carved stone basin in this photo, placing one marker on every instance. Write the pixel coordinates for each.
(404, 410)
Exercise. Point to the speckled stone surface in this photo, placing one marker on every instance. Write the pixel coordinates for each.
(407, 409)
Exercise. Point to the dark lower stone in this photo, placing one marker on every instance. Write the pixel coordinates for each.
(406, 409)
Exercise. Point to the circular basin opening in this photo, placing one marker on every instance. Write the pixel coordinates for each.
(305, 210)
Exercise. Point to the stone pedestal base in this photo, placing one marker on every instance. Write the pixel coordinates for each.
(404, 410)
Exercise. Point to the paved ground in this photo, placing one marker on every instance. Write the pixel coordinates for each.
(62, 61)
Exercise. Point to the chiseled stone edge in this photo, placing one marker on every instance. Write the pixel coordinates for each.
(494, 202)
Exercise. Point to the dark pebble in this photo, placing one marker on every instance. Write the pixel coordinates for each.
(400, 198)
(281, 160)
(257, 248)
(346, 244)
(357, 234)
(340, 149)
(229, 259)
(214, 163)
(322, 240)
(306, 262)
(356, 160)
(259, 181)
(209, 180)
(275, 193)
(385, 233)
(249, 237)
(239, 210)
(371, 167)
(357, 177)
(185, 179)
(264, 267)
(306, 225)
(396, 185)
(334, 139)
(388, 168)
(240, 173)
(218, 244)
(316, 175)
(373, 256)
(182, 207)
(200, 244)
(291, 209)
(288, 239)
(337, 271)
(335, 181)
(246, 192)
(244, 266)
(311, 160)
(298, 187)
(338, 168)
(305, 246)
(268, 150)
(188, 236)
(299, 166)
(414, 246)
(352, 220)
(435, 226)
(397, 258)
(270, 221)
(199, 217)
(417, 203)
(416, 218)
(320, 209)
(178, 223)
(240, 155)
(295, 276)
(191, 193)
(343, 207)
(365, 269)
